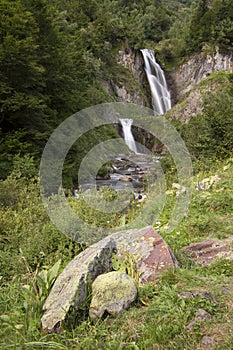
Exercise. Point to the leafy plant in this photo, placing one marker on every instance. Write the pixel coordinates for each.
(127, 263)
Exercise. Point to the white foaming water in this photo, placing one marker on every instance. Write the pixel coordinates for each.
(161, 99)
(128, 136)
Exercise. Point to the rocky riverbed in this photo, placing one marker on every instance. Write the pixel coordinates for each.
(134, 170)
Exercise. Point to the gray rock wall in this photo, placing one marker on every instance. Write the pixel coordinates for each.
(132, 85)
(197, 68)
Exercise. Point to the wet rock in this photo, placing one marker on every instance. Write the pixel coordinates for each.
(112, 293)
(207, 251)
(126, 178)
(201, 315)
(103, 177)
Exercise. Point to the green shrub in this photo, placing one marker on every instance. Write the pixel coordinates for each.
(209, 136)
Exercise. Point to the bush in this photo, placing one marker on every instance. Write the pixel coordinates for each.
(210, 135)
(26, 232)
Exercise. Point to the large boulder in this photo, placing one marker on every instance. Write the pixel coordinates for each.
(112, 293)
(71, 286)
(149, 251)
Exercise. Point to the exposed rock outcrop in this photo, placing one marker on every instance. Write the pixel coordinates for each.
(131, 84)
(196, 294)
(197, 68)
(132, 60)
(112, 293)
(201, 315)
(187, 87)
(191, 106)
(125, 96)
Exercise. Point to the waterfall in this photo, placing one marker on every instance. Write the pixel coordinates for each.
(128, 136)
(161, 100)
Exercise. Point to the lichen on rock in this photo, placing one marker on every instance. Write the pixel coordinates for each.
(112, 293)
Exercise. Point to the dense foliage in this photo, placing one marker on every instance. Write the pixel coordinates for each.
(206, 23)
(55, 56)
(209, 134)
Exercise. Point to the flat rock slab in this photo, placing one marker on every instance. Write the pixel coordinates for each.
(207, 251)
(149, 250)
(112, 292)
(196, 294)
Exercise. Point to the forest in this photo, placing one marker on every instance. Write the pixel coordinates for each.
(54, 56)
(56, 59)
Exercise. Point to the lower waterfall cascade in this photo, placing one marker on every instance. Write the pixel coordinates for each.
(127, 132)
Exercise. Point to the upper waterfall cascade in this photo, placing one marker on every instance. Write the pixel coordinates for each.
(128, 136)
(161, 99)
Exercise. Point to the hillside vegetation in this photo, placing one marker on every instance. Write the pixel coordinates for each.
(55, 57)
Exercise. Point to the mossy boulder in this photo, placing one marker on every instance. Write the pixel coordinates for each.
(112, 292)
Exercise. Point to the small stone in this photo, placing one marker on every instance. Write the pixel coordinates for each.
(195, 294)
(207, 342)
(202, 315)
(112, 293)
(226, 290)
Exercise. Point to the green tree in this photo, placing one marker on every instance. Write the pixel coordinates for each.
(200, 26)
(223, 32)
(210, 135)
(22, 75)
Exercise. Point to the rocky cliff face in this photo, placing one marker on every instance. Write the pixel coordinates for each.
(197, 68)
(131, 84)
(132, 60)
(187, 92)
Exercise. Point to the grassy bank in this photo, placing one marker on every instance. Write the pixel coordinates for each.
(31, 245)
